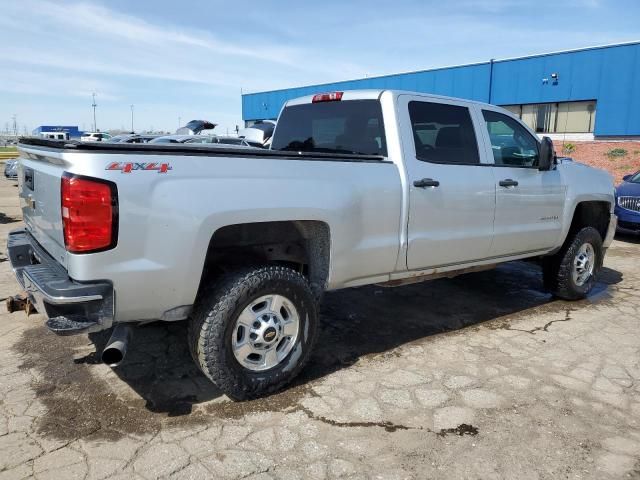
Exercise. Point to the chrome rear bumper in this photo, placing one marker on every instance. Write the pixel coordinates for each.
(71, 307)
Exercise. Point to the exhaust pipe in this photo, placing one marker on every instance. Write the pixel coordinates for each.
(116, 347)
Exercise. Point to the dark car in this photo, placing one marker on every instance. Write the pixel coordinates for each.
(628, 204)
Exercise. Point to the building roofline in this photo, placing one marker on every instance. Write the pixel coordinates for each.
(462, 65)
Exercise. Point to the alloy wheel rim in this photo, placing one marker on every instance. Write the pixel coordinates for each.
(584, 264)
(265, 332)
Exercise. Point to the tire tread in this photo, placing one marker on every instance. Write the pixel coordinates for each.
(207, 330)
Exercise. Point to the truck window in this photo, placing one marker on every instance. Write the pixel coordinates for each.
(511, 144)
(443, 133)
(352, 127)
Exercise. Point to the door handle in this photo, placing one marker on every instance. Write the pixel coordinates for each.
(426, 182)
(508, 183)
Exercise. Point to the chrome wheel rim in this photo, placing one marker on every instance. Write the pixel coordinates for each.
(584, 264)
(265, 332)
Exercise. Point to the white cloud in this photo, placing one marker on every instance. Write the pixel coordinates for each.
(98, 20)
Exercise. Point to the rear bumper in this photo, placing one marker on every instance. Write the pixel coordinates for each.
(71, 307)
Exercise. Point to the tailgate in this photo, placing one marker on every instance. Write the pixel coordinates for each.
(39, 175)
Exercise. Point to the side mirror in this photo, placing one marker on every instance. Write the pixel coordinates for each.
(626, 177)
(547, 155)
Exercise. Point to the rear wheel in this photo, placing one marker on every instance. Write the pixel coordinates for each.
(572, 272)
(252, 331)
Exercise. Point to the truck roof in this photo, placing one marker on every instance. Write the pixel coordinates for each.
(375, 94)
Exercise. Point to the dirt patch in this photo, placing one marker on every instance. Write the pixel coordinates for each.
(596, 155)
(4, 219)
(80, 403)
(460, 430)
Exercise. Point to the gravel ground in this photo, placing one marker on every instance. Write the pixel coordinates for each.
(482, 376)
(595, 154)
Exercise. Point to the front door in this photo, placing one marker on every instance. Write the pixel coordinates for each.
(451, 186)
(529, 203)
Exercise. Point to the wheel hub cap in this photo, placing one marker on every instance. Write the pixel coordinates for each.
(265, 332)
(584, 264)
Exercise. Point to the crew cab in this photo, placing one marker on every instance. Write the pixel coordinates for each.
(359, 187)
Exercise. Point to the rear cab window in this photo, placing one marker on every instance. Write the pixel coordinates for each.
(349, 127)
(443, 133)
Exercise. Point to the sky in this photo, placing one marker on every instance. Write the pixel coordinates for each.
(177, 61)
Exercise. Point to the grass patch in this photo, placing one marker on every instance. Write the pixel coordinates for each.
(617, 152)
(8, 149)
(569, 148)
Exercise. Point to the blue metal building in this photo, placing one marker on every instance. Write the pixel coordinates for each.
(73, 131)
(592, 90)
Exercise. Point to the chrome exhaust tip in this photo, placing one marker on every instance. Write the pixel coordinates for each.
(116, 348)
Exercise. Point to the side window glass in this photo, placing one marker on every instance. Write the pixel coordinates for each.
(511, 143)
(443, 133)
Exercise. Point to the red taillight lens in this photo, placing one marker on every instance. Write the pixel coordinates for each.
(327, 97)
(89, 214)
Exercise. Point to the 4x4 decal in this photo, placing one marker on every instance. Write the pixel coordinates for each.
(128, 167)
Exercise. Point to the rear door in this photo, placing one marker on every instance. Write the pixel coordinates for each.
(451, 185)
(529, 203)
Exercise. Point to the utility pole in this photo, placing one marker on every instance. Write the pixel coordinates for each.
(94, 105)
(132, 130)
(15, 125)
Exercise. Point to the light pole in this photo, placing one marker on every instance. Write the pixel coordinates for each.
(94, 105)
(132, 131)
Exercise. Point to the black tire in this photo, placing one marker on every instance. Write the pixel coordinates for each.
(212, 324)
(558, 268)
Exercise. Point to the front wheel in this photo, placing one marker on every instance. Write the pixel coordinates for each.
(253, 330)
(571, 273)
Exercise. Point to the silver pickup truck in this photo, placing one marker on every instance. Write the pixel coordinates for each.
(359, 187)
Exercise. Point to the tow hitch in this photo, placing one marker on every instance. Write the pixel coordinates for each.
(20, 302)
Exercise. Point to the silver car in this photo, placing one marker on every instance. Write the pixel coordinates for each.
(11, 169)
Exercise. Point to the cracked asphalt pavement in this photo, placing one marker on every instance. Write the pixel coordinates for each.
(481, 376)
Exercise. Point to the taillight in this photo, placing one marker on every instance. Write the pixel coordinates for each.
(89, 214)
(327, 97)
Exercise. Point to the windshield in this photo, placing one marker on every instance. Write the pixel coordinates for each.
(351, 127)
(635, 178)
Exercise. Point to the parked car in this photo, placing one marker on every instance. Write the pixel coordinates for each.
(11, 169)
(132, 138)
(218, 139)
(628, 204)
(359, 187)
(94, 137)
(259, 134)
(173, 138)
